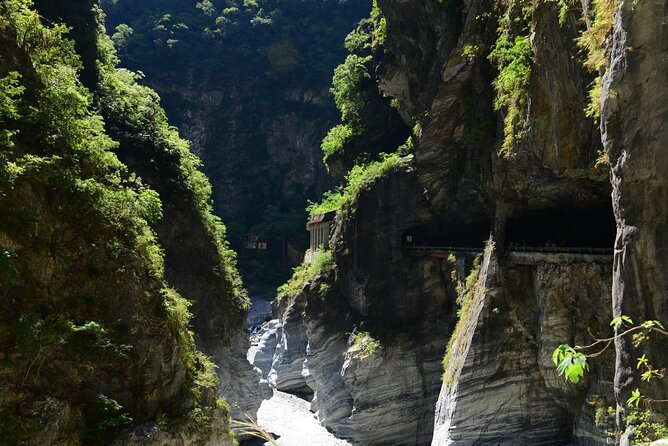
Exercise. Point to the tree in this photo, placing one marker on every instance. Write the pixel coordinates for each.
(572, 363)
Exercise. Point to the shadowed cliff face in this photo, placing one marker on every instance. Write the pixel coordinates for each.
(634, 134)
(528, 311)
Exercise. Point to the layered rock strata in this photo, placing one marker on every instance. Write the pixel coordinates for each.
(498, 370)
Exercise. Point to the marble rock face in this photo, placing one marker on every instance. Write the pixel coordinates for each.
(635, 135)
(385, 396)
(499, 372)
(290, 353)
(263, 346)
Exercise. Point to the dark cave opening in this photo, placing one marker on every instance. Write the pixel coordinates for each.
(563, 227)
(469, 235)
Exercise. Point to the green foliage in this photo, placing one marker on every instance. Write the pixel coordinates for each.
(138, 108)
(331, 201)
(647, 427)
(513, 59)
(10, 91)
(335, 141)
(206, 376)
(406, 148)
(617, 322)
(362, 345)
(570, 363)
(347, 87)
(178, 314)
(380, 26)
(322, 265)
(121, 36)
(634, 399)
(358, 42)
(104, 419)
(602, 414)
(564, 7)
(61, 339)
(149, 205)
(361, 177)
(465, 298)
(602, 159)
(206, 7)
(470, 52)
(593, 43)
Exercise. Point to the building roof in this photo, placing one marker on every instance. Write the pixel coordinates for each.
(321, 218)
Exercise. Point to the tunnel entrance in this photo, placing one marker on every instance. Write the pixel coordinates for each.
(563, 227)
(472, 235)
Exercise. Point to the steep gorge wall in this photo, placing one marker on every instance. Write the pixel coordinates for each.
(537, 178)
(634, 113)
(375, 325)
(97, 341)
(499, 385)
(198, 262)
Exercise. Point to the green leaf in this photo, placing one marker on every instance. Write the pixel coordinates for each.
(559, 353)
(572, 364)
(635, 398)
(574, 373)
(619, 320)
(647, 376)
(641, 361)
(563, 366)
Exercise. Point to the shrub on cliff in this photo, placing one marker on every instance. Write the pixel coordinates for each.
(322, 264)
(361, 176)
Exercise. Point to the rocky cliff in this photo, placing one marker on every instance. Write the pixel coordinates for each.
(633, 115)
(109, 241)
(198, 262)
(506, 100)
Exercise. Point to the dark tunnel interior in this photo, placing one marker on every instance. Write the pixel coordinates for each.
(566, 227)
(472, 235)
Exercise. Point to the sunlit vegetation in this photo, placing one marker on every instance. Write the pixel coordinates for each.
(322, 265)
(360, 178)
(140, 119)
(466, 293)
(512, 55)
(593, 42)
(362, 345)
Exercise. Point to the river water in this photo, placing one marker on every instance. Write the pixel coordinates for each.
(288, 417)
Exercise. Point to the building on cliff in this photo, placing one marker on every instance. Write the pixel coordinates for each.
(319, 227)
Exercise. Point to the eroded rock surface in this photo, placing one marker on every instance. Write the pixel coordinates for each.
(634, 114)
(286, 372)
(499, 372)
(386, 395)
